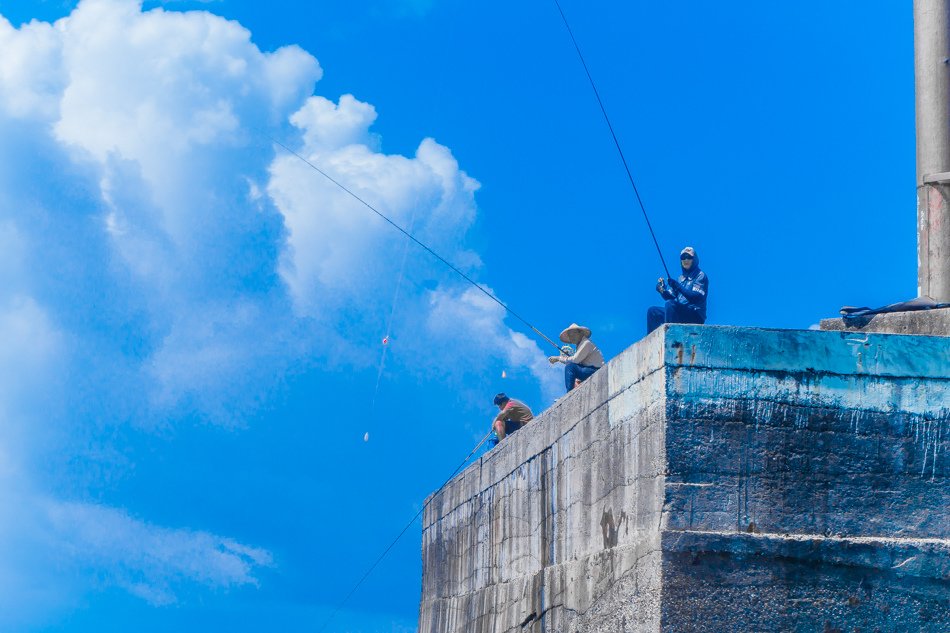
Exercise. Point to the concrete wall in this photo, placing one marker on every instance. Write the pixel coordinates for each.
(715, 479)
(806, 485)
(560, 519)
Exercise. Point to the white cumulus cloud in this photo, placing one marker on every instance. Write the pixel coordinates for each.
(150, 561)
(162, 260)
(471, 324)
(54, 552)
(163, 121)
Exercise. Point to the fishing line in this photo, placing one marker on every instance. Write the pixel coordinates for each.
(414, 239)
(613, 134)
(392, 313)
(380, 558)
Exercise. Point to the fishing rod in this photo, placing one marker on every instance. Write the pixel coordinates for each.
(610, 126)
(380, 558)
(414, 239)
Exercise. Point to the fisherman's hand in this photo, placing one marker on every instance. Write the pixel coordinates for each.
(553, 359)
(660, 287)
(675, 285)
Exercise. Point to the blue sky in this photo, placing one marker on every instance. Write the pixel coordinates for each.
(192, 319)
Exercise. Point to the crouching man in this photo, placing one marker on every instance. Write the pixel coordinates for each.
(512, 415)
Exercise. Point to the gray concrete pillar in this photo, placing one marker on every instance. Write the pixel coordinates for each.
(932, 78)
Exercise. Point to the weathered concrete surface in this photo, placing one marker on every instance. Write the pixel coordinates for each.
(769, 583)
(711, 479)
(923, 322)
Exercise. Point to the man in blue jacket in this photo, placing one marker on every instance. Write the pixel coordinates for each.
(685, 297)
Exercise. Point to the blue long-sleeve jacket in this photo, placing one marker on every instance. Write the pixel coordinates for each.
(691, 289)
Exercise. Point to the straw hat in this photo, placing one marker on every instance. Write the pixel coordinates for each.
(575, 333)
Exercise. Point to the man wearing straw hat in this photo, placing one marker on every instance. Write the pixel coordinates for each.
(584, 361)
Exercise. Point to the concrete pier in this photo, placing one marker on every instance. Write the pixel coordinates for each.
(711, 479)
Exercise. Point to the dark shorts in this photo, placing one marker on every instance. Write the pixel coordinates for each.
(511, 426)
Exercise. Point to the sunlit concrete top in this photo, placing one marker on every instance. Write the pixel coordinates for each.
(922, 322)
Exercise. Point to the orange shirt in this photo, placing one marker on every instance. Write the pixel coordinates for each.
(516, 412)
